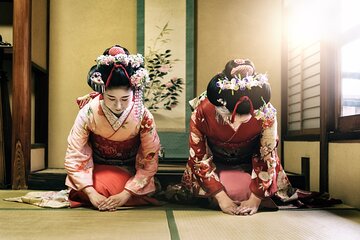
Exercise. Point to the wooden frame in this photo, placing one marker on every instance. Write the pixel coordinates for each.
(21, 125)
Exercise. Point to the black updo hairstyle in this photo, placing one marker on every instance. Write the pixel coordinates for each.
(118, 78)
(257, 95)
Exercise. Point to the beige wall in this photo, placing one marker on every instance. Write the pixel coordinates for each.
(344, 172)
(6, 30)
(79, 32)
(294, 151)
(38, 32)
(344, 167)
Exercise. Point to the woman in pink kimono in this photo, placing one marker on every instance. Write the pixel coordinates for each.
(233, 138)
(113, 146)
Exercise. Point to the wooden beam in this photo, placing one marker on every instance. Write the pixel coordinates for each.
(21, 92)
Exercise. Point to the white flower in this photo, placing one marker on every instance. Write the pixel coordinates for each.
(253, 174)
(264, 176)
(237, 83)
(192, 152)
(195, 138)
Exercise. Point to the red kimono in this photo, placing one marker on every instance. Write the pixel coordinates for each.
(238, 158)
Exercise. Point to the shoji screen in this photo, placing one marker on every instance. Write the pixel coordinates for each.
(303, 86)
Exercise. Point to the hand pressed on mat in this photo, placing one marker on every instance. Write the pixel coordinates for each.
(249, 207)
(95, 198)
(112, 202)
(226, 204)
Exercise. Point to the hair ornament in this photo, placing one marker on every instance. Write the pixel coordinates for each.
(222, 101)
(236, 83)
(121, 58)
(267, 113)
(140, 78)
(96, 82)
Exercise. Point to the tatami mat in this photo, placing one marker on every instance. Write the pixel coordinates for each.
(24, 221)
(85, 224)
(278, 225)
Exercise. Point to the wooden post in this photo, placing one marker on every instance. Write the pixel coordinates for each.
(2, 148)
(21, 92)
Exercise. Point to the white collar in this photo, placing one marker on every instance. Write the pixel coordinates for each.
(115, 122)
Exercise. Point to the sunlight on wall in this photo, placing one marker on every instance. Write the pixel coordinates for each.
(344, 169)
(307, 20)
(293, 151)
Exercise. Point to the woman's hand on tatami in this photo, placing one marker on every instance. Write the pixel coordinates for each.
(226, 204)
(249, 207)
(112, 202)
(95, 198)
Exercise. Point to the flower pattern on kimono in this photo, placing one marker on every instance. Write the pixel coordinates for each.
(150, 156)
(186, 178)
(264, 176)
(266, 149)
(147, 124)
(195, 138)
(140, 164)
(193, 116)
(206, 169)
(84, 166)
(141, 182)
(192, 152)
(265, 185)
(282, 180)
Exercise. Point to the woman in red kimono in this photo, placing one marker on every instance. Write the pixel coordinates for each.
(233, 138)
(113, 146)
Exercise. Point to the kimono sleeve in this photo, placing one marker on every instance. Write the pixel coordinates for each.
(147, 158)
(78, 157)
(264, 168)
(200, 164)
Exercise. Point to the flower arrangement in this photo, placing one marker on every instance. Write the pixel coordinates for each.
(159, 93)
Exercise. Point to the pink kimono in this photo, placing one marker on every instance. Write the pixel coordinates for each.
(111, 153)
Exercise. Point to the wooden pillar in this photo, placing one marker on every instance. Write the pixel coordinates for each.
(21, 92)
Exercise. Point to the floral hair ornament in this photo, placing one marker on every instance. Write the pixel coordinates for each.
(120, 59)
(236, 83)
(97, 83)
(267, 113)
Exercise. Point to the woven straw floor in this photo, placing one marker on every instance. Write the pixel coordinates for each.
(23, 221)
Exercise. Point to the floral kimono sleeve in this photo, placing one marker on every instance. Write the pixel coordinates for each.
(264, 168)
(147, 158)
(200, 173)
(78, 158)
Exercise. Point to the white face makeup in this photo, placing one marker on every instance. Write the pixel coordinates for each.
(118, 99)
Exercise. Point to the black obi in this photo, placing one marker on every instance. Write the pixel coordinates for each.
(234, 153)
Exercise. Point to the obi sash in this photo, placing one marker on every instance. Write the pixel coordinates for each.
(119, 153)
(240, 153)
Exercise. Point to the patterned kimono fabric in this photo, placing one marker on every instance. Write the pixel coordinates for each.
(226, 158)
(113, 163)
(126, 159)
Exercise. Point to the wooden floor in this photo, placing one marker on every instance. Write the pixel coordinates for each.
(24, 221)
